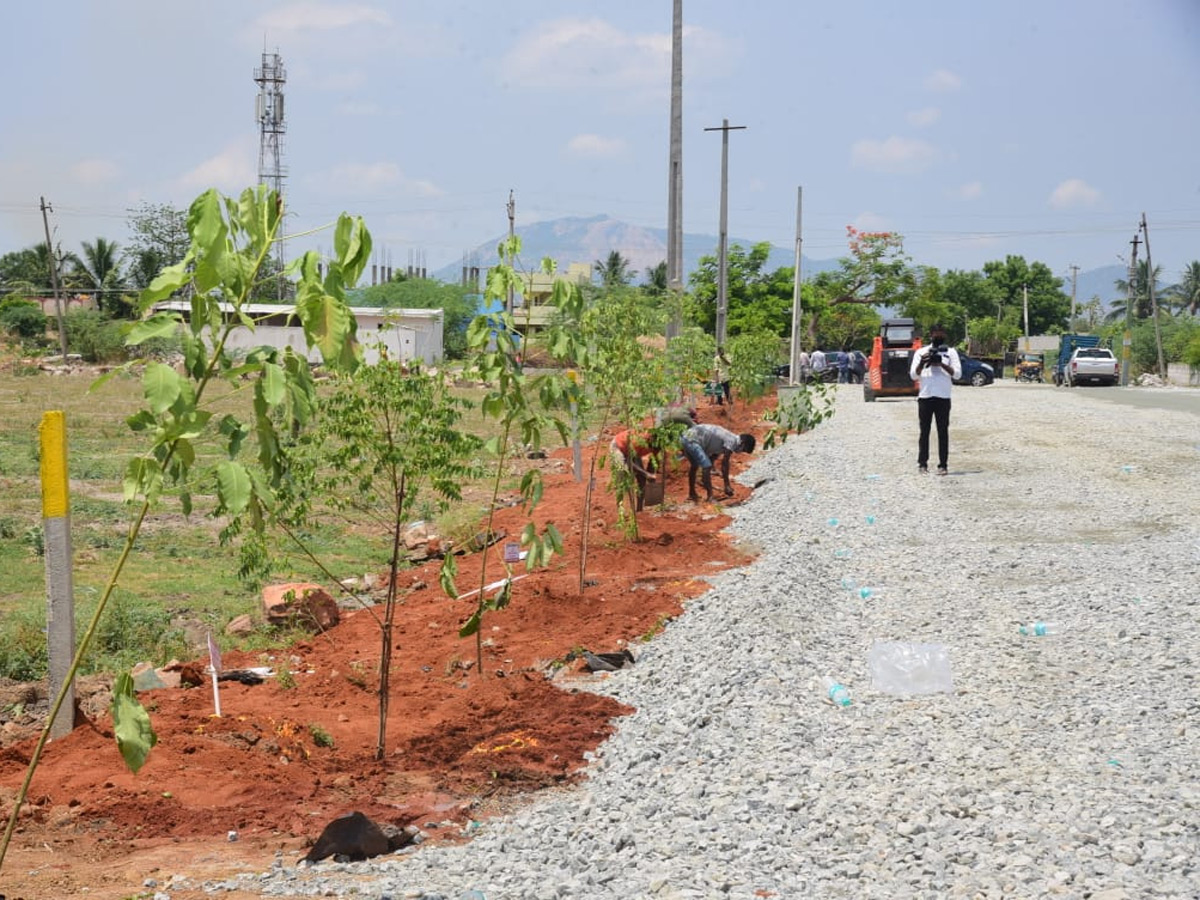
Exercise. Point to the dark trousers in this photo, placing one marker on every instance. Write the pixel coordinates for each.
(930, 409)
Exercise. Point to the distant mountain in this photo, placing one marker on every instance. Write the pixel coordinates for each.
(1097, 283)
(586, 240)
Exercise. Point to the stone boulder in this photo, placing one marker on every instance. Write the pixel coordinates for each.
(307, 606)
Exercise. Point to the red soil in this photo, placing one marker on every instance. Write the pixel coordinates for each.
(459, 746)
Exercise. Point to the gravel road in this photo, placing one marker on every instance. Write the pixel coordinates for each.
(1066, 765)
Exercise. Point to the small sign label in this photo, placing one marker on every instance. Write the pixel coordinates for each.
(214, 655)
(512, 552)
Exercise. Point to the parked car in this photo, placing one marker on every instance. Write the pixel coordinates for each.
(975, 372)
(1092, 365)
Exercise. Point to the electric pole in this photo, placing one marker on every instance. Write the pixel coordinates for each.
(723, 245)
(1127, 340)
(675, 177)
(1162, 365)
(1025, 306)
(512, 220)
(1074, 279)
(58, 310)
(794, 359)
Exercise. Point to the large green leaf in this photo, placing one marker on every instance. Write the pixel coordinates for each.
(167, 282)
(274, 383)
(161, 386)
(233, 486)
(329, 326)
(206, 225)
(131, 724)
(159, 325)
(471, 625)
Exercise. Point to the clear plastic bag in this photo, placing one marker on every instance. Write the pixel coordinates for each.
(904, 669)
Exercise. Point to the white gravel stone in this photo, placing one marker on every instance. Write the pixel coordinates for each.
(1059, 765)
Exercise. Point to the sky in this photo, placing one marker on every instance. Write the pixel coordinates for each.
(1043, 128)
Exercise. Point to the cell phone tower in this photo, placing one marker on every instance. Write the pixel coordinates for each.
(270, 78)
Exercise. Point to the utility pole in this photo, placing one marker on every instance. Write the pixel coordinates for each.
(58, 310)
(723, 246)
(675, 177)
(512, 220)
(1025, 304)
(1074, 280)
(1127, 340)
(1162, 365)
(794, 358)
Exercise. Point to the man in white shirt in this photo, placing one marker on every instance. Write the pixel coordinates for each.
(935, 366)
(818, 364)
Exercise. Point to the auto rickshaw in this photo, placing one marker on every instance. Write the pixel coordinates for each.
(1028, 367)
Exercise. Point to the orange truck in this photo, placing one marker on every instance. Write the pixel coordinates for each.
(887, 369)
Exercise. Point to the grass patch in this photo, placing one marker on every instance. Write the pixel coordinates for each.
(178, 570)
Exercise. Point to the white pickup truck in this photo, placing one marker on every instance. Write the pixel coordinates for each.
(1092, 365)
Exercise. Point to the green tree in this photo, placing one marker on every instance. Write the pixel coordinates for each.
(26, 272)
(99, 268)
(613, 270)
(757, 300)
(427, 293)
(382, 439)
(1140, 288)
(1185, 296)
(228, 241)
(876, 273)
(656, 279)
(1049, 305)
(159, 239)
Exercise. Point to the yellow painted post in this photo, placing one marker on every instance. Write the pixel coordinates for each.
(60, 592)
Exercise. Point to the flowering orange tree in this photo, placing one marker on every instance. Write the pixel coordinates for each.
(876, 273)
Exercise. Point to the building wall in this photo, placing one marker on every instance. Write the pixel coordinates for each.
(407, 334)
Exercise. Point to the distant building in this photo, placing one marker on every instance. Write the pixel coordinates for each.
(533, 307)
(408, 334)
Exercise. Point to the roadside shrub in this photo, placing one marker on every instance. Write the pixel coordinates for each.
(22, 318)
(23, 642)
(130, 632)
(95, 336)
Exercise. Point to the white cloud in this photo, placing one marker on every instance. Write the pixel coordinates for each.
(94, 171)
(923, 118)
(972, 190)
(943, 81)
(230, 171)
(314, 16)
(596, 147)
(894, 155)
(869, 221)
(572, 53)
(354, 178)
(360, 108)
(1074, 193)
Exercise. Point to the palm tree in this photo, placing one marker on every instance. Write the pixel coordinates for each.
(613, 270)
(1141, 293)
(1185, 296)
(100, 270)
(656, 279)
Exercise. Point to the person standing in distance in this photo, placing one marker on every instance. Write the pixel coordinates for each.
(935, 366)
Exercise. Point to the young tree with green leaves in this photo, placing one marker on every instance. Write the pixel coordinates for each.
(383, 439)
(512, 399)
(228, 241)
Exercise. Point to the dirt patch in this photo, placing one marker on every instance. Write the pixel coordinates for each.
(282, 761)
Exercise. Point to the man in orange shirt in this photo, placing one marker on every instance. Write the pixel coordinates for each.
(629, 451)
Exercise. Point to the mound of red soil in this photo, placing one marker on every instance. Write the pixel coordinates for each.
(284, 759)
